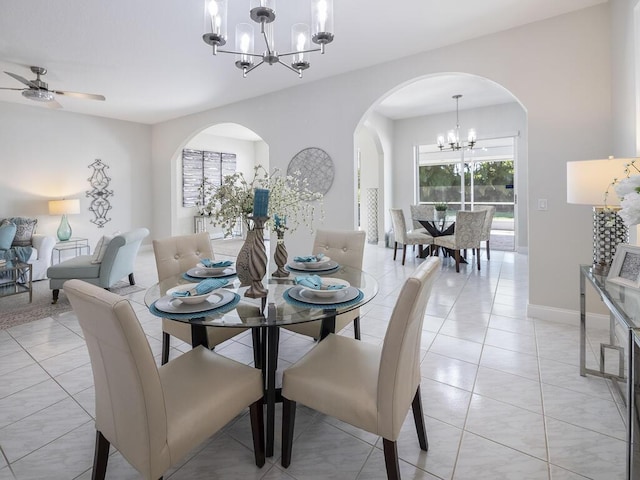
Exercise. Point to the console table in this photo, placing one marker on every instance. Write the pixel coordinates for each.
(77, 244)
(624, 307)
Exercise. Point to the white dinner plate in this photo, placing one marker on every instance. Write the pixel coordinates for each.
(298, 293)
(319, 265)
(299, 267)
(200, 272)
(190, 299)
(213, 270)
(217, 298)
(327, 293)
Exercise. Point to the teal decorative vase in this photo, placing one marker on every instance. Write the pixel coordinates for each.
(64, 230)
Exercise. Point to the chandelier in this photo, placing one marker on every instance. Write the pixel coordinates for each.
(453, 136)
(264, 13)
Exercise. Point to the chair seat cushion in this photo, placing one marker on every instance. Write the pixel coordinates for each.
(211, 404)
(78, 267)
(338, 377)
(414, 237)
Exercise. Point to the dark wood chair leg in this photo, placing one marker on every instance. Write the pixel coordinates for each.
(256, 412)
(418, 419)
(478, 257)
(56, 293)
(356, 328)
(100, 457)
(395, 250)
(166, 343)
(457, 255)
(488, 251)
(132, 281)
(404, 253)
(288, 424)
(391, 459)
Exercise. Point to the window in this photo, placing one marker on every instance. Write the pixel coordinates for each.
(199, 166)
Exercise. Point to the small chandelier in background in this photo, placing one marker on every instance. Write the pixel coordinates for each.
(264, 13)
(453, 136)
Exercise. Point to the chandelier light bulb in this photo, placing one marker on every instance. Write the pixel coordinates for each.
(322, 15)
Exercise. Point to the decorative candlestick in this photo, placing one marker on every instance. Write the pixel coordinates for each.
(280, 256)
(257, 260)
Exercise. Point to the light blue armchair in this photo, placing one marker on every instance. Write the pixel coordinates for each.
(117, 263)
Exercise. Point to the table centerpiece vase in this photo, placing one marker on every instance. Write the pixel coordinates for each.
(280, 256)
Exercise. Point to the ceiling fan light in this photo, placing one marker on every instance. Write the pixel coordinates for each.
(38, 95)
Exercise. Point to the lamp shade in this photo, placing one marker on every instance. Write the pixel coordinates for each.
(64, 207)
(588, 180)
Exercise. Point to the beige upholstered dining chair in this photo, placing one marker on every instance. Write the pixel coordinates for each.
(420, 211)
(404, 236)
(368, 386)
(490, 211)
(468, 234)
(347, 248)
(156, 416)
(176, 255)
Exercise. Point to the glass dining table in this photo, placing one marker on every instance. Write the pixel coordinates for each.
(285, 304)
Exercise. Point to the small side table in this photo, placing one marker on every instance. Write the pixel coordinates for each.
(20, 279)
(77, 244)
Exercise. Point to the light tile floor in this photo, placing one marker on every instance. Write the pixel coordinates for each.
(501, 393)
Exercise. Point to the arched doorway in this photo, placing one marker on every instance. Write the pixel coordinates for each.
(407, 122)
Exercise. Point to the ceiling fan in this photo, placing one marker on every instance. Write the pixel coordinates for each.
(39, 91)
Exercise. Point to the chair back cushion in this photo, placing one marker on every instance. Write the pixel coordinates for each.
(399, 225)
(175, 255)
(399, 374)
(420, 212)
(469, 228)
(344, 246)
(120, 256)
(130, 409)
(490, 211)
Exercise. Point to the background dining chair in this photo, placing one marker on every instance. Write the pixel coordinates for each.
(404, 237)
(176, 255)
(347, 248)
(467, 234)
(420, 212)
(155, 416)
(490, 211)
(368, 386)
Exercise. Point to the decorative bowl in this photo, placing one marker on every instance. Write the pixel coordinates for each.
(322, 263)
(191, 299)
(213, 270)
(323, 292)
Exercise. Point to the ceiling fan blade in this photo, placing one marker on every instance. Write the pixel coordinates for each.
(28, 83)
(52, 104)
(88, 96)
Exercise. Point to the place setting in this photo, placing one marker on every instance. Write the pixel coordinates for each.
(207, 297)
(207, 268)
(318, 263)
(327, 292)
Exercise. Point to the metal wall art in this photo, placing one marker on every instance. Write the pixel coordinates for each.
(315, 165)
(100, 205)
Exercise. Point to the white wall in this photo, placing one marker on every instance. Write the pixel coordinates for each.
(489, 122)
(558, 69)
(45, 154)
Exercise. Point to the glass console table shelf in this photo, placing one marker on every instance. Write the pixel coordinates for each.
(78, 244)
(15, 278)
(623, 304)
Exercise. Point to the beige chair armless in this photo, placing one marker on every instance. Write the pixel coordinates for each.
(155, 416)
(468, 232)
(488, 221)
(347, 248)
(176, 255)
(420, 212)
(368, 386)
(405, 237)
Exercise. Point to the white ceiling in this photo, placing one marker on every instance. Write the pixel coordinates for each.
(150, 62)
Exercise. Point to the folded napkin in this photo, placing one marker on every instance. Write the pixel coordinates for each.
(315, 282)
(205, 286)
(210, 264)
(309, 258)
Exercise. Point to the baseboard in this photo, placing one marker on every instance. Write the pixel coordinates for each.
(568, 317)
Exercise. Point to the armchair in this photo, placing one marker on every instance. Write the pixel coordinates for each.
(118, 262)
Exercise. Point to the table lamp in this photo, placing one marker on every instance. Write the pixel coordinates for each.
(588, 183)
(64, 208)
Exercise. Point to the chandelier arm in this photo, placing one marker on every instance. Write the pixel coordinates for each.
(248, 54)
(299, 51)
(297, 72)
(253, 67)
(266, 40)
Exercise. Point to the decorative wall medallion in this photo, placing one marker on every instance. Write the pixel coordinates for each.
(100, 205)
(315, 165)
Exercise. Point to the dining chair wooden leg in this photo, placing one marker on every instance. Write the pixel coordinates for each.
(256, 412)
(418, 419)
(166, 343)
(132, 281)
(288, 424)
(356, 328)
(478, 258)
(404, 253)
(395, 249)
(457, 255)
(391, 459)
(488, 251)
(100, 457)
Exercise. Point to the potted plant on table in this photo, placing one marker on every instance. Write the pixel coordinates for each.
(441, 210)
